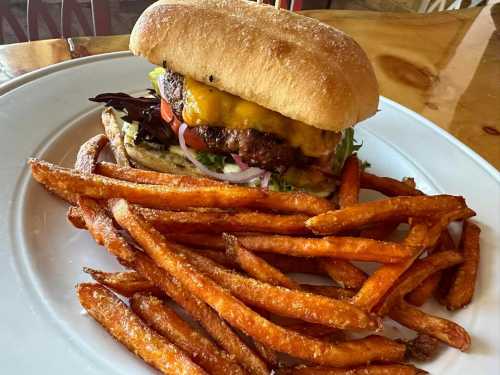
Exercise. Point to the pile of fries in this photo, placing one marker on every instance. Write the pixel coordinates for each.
(223, 254)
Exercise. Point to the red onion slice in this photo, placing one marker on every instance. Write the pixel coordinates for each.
(236, 177)
(237, 159)
(264, 182)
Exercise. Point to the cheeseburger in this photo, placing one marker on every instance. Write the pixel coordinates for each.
(245, 93)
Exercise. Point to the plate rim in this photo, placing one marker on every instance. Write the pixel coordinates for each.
(14, 83)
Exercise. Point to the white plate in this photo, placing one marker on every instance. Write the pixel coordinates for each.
(46, 114)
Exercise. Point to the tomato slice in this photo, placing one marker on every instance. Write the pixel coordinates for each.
(192, 139)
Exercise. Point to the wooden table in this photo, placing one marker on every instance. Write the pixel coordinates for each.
(445, 66)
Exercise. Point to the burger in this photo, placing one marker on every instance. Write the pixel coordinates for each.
(245, 93)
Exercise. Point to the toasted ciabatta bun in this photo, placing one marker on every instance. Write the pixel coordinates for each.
(292, 64)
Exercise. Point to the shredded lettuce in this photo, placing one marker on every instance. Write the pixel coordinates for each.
(213, 162)
(278, 183)
(153, 77)
(345, 148)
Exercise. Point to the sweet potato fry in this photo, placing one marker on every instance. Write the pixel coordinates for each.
(255, 266)
(219, 258)
(113, 132)
(349, 182)
(464, 281)
(359, 215)
(155, 196)
(202, 313)
(198, 240)
(377, 285)
(314, 330)
(282, 301)
(430, 285)
(445, 241)
(243, 318)
(143, 176)
(284, 263)
(343, 272)
(420, 270)
(329, 291)
(124, 283)
(89, 152)
(218, 222)
(425, 290)
(350, 248)
(444, 330)
(390, 369)
(380, 231)
(419, 238)
(213, 222)
(162, 196)
(102, 229)
(86, 160)
(289, 264)
(386, 185)
(283, 202)
(127, 328)
(165, 321)
(422, 347)
(263, 271)
(268, 355)
(63, 194)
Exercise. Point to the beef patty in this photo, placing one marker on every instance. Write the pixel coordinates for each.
(255, 148)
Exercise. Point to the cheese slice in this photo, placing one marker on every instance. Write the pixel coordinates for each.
(207, 106)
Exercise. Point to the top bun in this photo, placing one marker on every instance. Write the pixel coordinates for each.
(295, 65)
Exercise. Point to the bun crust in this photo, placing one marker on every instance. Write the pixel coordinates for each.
(292, 64)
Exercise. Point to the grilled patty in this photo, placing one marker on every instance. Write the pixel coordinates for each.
(255, 148)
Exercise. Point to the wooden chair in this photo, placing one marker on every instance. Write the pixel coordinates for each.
(71, 12)
(7, 16)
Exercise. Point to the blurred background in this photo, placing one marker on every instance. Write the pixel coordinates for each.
(24, 20)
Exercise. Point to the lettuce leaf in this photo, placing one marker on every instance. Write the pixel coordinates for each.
(345, 148)
(213, 162)
(278, 183)
(153, 77)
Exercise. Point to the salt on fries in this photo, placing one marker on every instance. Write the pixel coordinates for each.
(355, 217)
(239, 315)
(353, 248)
(132, 332)
(195, 232)
(165, 196)
(165, 321)
(102, 229)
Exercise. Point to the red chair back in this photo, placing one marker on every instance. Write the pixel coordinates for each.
(72, 12)
(7, 16)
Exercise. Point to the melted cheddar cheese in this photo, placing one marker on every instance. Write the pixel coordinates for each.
(207, 106)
